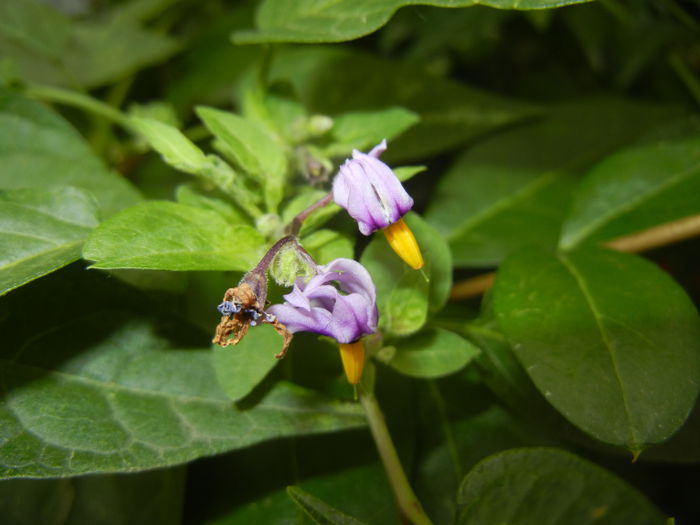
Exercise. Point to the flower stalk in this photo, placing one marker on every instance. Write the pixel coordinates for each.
(405, 497)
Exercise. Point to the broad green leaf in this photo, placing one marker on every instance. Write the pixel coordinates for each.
(118, 398)
(41, 231)
(49, 153)
(433, 353)
(168, 236)
(642, 186)
(253, 148)
(319, 21)
(240, 368)
(513, 189)
(404, 297)
(364, 130)
(545, 486)
(332, 81)
(317, 510)
(610, 340)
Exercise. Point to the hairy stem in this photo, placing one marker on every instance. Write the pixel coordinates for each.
(295, 226)
(405, 497)
(662, 235)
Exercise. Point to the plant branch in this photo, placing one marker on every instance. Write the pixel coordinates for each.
(662, 235)
(295, 226)
(78, 100)
(405, 497)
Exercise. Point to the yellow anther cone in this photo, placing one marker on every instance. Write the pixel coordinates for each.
(353, 357)
(403, 242)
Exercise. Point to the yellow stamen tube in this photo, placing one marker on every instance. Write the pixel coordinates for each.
(403, 242)
(353, 357)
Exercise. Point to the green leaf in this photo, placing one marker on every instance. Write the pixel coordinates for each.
(253, 148)
(364, 130)
(332, 81)
(404, 297)
(240, 368)
(319, 21)
(610, 340)
(403, 173)
(513, 189)
(118, 398)
(317, 510)
(433, 353)
(51, 48)
(49, 153)
(176, 149)
(41, 231)
(542, 486)
(642, 186)
(168, 236)
(326, 245)
(190, 195)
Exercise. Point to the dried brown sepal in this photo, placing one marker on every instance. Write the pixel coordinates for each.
(239, 323)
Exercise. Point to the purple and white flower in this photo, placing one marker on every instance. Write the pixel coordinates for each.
(339, 301)
(370, 191)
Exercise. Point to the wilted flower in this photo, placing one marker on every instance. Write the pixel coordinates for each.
(340, 302)
(372, 194)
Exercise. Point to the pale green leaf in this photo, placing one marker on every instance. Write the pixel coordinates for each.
(49, 153)
(41, 231)
(253, 148)
(611, 341)
(547, 486)
(433, 353)
(161, 235)
(176, 149)
(321, 21)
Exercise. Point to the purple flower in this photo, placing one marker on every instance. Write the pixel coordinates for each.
(370, 192)
(345, 311)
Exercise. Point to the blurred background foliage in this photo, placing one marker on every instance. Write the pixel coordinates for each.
(529, 137)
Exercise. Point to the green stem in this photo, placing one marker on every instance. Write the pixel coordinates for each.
(406, 499)
(78, 100)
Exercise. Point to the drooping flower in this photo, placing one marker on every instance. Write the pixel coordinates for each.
(372, 194)
(339, 302)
